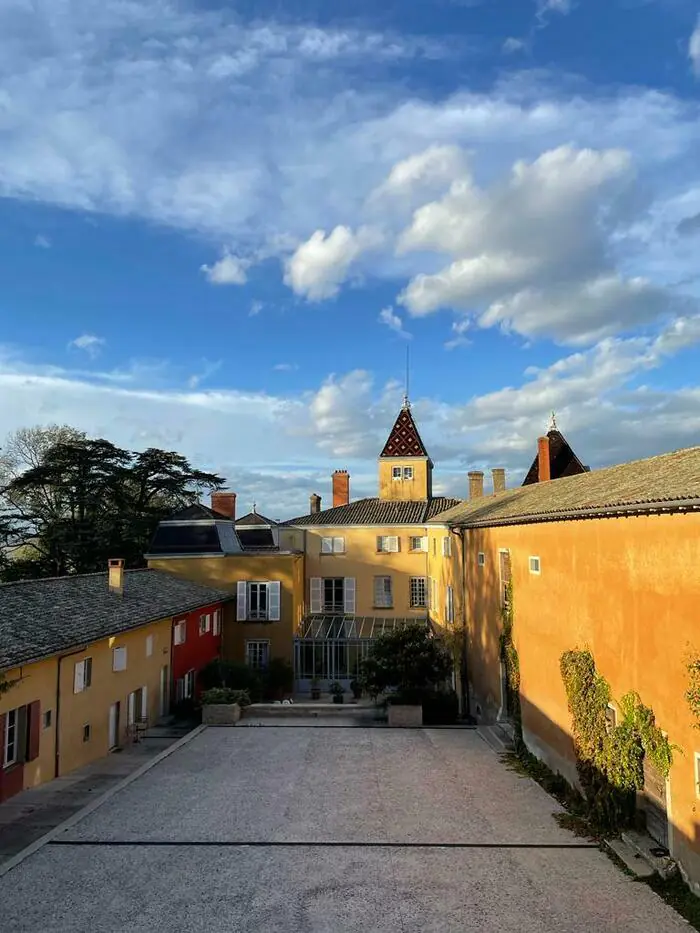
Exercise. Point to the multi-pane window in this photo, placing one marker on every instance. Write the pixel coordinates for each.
(408, 473)
(418, 543)
(11, 737)
(387, 543)
(419, 592)
(396, 473)
(180, 633)
(258, 601)
(447, 546)
(383, 597)
(204, 623)
(257, 654)
(534, 565)
(334, 594)
(333, 545)
(481, 559)
(449, 604)
(82, 677)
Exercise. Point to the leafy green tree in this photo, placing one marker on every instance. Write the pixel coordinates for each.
(410, 660)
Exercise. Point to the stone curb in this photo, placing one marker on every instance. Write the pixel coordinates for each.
(94, 804)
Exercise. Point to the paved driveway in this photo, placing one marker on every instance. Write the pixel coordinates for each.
(303, 830)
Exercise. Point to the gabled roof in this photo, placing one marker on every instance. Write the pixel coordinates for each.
(378, 512)
(255, 518)
(40, 618)
(404, 439)
(196, 512)
(669, 482)
(562, 460)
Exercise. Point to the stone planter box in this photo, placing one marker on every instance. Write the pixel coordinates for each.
(221, 714)
(405, 716)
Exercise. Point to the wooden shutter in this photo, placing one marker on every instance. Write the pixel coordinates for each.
(380, 541)
(79, 677)
(393, 544)
(273, 601)
(144, 702)
(349, 595)
(242, 601)
(338, 545)
(33, 729)
(131, 709)
(316, 584)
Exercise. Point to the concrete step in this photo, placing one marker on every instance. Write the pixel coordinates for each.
(648, 849)
(631, 858)
(495, 738)
(310, 711)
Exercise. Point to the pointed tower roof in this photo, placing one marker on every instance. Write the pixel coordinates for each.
(563, 461)
(404, 439)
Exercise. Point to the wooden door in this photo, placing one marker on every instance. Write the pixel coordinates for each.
(114, 725)
(654, 804)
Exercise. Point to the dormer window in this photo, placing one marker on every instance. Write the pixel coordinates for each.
(408, 473)
(397, 474)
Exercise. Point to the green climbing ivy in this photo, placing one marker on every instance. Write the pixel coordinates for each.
(692, 694)
(509, 656)
(610, 758)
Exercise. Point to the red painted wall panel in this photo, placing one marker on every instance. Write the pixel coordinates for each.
(197, 650)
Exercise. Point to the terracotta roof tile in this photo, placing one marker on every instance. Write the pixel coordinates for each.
(378, 512)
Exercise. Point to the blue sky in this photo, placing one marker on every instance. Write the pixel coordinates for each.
(222, 225)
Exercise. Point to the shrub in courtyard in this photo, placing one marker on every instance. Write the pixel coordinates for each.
(225, 695)
(410, 661)
(278, 679)
(232, 674)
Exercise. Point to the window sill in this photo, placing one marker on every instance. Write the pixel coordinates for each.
(382, 607)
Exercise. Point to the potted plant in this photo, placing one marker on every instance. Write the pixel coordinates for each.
(315, 688)
(337, 691)
(221, 706)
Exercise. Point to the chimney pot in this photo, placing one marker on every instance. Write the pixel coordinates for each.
(341, 488)
(476, 484)
(224, 504)
(115, 576)
(314, 504)
(543, 465)
(499, 479)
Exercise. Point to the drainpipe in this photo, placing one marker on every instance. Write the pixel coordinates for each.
(464, 679)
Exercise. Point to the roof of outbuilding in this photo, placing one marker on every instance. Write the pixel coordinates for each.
(562, 460)
(378, 512)
(666, 482)
(41, 618)
(255, 518)
(194, 513)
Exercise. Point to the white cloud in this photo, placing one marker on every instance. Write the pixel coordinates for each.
(318, 267)
(513, 44)
(286, 367)
(393, 321)
(229, 270)
(437, 165)
(43, 242)
(255, 308)
(694, 49)
(91, 344)
(544, 7)
(459, 329)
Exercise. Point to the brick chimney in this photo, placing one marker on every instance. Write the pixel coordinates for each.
(115, 576)
(476, 484)
(314, 504)
(499, 480)
(543, 466)
(224, 503)
(341, 488)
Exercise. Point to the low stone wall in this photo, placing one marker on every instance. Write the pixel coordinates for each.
(221, 714)
(405, 716)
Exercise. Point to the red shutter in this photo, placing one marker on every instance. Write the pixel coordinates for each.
(33, 730)
(2, 744)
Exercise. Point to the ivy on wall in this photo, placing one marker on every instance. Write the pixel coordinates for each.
(509, 657)
(610, 757)
(692, 694)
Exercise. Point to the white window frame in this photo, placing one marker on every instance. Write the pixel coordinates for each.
(273, 601)
(388, 544)
(414, 584)
(149, 646)
(216, 625)
(7, 757)
(333, 545)
(383, 595)
(87, 732)
(396, 474)
(205, 623)
(408, 473)
(481, 559)
(422, 546)
(257, 644)
(535, 566)
(82, 675)
(180, 632)
(117, 654)
(447, 546)
(449, 603)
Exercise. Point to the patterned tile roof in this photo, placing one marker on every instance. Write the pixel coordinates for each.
(378, 512)
(562, 460)
(40, 618)
(404, 439)
(657, 484)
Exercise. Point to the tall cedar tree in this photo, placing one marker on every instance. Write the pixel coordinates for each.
(88, 500)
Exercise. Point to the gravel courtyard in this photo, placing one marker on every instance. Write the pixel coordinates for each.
(327, 830)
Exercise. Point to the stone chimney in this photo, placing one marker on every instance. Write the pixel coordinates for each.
(115, 576)
(224, 503)
(476, 484)
(499, 480)
(341, 488)
(314, 504)
(543, 466)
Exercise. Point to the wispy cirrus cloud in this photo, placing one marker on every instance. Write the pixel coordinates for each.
(393, 321)
(694, 49)
(88, 343)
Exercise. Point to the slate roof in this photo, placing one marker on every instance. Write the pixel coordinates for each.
(378, 512)
(41, 618)
(404, 439)
(668, 482)
(255, 518)
(562, 460)
(197, 512)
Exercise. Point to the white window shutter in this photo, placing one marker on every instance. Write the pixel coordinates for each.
(131, 709)
(79, 677)
(393, 544)
(316, 594)
(273, 601)
(326, 545)
(339, 545)
(349, 595)
(144, 702)
(242, 601)
(436, 599)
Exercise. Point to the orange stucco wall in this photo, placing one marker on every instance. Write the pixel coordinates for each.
(628, 589)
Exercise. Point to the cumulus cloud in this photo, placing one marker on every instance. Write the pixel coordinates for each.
(318, 267)
(694, 49)
(437, 165)
(43, 242)
(229, 270)
(89, 343)
(388, 317)
(513, 44)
